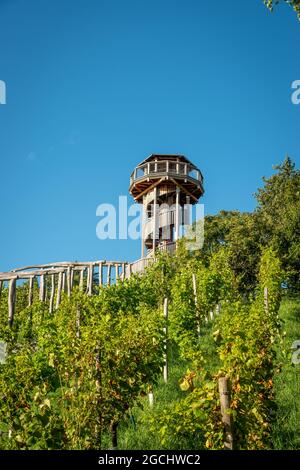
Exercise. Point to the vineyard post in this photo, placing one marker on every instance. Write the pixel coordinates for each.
(77, 322)
(114, 435)
(30, 292)
(266, 299)
(1, 285)
(196, 302)
(11, 301)
(224, 392)
(99, 391)
(151, 397)
(165, 371)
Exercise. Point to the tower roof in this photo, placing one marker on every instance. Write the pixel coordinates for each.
(160, 156)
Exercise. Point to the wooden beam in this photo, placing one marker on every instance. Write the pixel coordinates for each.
(150, 187)
(183, 189)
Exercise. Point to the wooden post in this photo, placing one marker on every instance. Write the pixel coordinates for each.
(1, 285)
(30, 292)
(177, 214)
(224, 392)
(196, 302)
(69, 281)
(151, 397)
(59, 289)
(100, 274)
(266, 299)
(90, 284)
(52, 293)
(123, 272)
(77, 322)
(143, 217)
(114, 435)
(11, 301)
(165, 370)
(154, 223)
(63, 281)
(117, 271)
(87, 279)
(42, 288)
(81, 278)
(71, 277)
(108, 274)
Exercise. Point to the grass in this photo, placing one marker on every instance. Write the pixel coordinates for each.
(286, 429)
(135, 432)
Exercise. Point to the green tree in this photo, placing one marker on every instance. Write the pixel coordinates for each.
(295, 4)
(241, 234)
(279, 212)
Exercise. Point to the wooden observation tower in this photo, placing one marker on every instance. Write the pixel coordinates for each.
(164, 184)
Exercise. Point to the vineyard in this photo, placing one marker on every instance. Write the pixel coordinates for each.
(77, 377)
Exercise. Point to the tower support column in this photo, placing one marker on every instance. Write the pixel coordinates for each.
(154, 219)
(143, 221)
(177, 213)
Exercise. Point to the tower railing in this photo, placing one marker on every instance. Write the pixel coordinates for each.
(166, 168)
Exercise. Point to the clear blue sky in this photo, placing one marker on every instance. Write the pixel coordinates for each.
(93, 87)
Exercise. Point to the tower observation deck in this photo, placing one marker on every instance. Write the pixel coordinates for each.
(164, 184)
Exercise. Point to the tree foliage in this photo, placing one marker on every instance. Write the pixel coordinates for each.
(274, 223)
(295, 4)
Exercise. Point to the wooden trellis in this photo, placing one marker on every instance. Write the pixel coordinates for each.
(61, 277)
